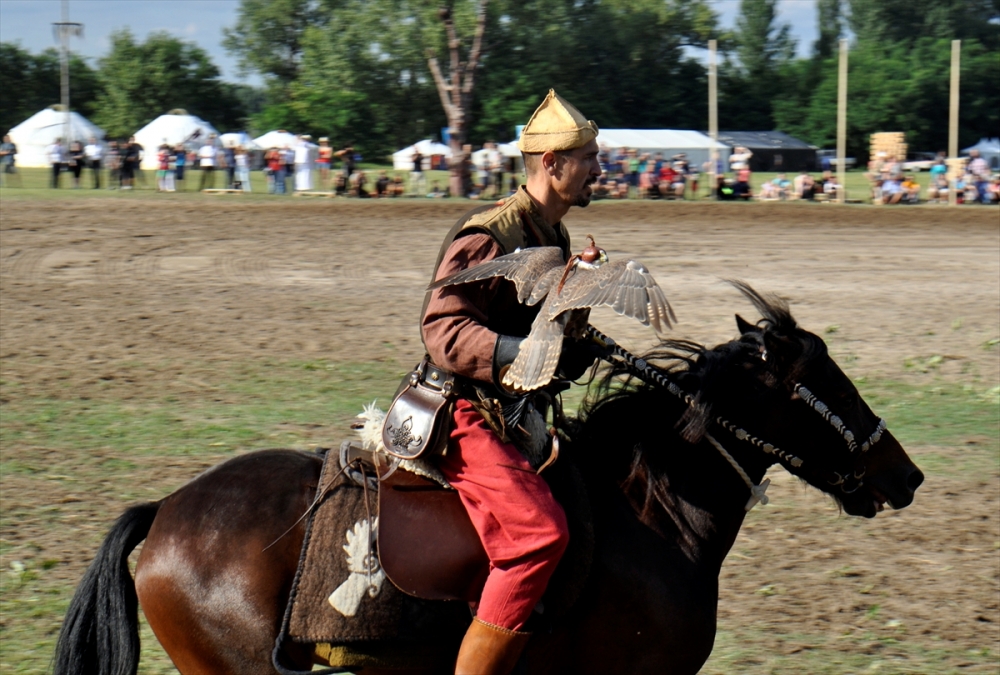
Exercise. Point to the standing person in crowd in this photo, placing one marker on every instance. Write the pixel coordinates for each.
(57, 157)
(136, 153)
(8, 155)
(346, 157)
(75, 161)
(324, 156)
(496, 167)
(113, 160)
(242, 161)
(418, 185)
(131, 156)
(180, 165)
(164, 179)
(207, 159)
(289, 156)
(303, 164)
(229, 161)
(980, 172)
(276, 165)
(93, 153)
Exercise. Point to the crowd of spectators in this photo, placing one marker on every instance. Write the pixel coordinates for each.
(891, 185)
(626, 173)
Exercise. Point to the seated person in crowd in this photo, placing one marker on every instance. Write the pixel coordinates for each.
(937, 188)
(668, 177)
(724, 188)
(741, 188)
(358, 182)
(768, 191)
(808, 187)
(622, 184)
(647, 189)
(396, 186)
(911, 190)
(783, 184)
(382, 185)
(600, 186)
(993, 191)
(830, 186)
(679, 184)
(892, 191)
(436, 191)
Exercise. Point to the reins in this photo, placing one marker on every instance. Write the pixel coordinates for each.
(650, 374)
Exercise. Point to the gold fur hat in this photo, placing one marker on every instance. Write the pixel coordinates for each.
(556, 125)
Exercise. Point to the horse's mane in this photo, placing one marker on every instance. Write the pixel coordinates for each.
(702, 372)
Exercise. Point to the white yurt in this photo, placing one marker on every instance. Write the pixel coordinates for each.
(402, 160)
(173, 128)
(276, 139)
(237, 139)
(35, 134)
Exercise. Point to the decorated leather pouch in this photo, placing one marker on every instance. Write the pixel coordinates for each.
(419, 418)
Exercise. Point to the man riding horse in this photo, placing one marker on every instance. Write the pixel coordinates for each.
(473, 331)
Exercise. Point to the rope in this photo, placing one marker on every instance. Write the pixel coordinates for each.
(756, 491)
(644, 371)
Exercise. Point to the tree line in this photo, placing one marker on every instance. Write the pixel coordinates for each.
(357, 70)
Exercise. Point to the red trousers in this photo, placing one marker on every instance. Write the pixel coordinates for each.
(522, 527)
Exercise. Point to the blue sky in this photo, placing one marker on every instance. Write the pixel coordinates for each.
(201, 21)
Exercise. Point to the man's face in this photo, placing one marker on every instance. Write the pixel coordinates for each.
(576, 171)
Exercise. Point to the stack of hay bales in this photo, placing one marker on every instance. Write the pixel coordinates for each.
(892, 143)
(956, 167)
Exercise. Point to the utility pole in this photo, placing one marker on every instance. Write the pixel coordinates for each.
(842, 124)
(713, 119)
(956, 70)
(63, 31)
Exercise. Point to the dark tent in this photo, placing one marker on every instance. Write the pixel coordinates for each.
(773, 150)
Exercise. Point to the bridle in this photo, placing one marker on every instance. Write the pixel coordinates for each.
(640, 368)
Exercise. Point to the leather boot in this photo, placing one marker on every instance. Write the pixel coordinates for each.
(489, 650)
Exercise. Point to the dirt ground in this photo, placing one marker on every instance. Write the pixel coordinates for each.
(95, 290)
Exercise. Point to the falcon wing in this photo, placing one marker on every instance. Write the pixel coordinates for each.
(539, 354)
(624, 285)
(524, 268)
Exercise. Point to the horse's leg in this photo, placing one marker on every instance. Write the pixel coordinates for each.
(215, 572)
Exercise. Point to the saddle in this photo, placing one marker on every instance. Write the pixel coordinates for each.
(427, 545)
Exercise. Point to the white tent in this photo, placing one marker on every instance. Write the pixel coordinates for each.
(402, 160)
(41, 130)
(172, 128)
(276, 139)
(238, 138)
(989, 149)
(696, 145)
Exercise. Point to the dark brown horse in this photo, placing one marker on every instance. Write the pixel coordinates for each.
(669, 468)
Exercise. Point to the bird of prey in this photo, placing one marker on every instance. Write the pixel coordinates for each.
(567, 290)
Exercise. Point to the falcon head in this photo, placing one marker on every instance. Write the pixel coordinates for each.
(592, 255)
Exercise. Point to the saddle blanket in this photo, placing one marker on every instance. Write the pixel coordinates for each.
(340, 594)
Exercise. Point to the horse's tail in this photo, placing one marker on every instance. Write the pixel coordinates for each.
(100, 634)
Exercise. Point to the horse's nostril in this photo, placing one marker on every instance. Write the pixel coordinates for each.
(915, 480)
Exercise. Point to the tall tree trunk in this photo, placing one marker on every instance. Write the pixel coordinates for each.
(456, 93)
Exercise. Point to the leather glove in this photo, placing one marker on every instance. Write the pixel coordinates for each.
(505, 351)
(576, 358)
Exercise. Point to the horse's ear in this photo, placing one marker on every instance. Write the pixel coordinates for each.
(744, 325)
(782, 350)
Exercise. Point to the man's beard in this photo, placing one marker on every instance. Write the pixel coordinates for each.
(583, 199)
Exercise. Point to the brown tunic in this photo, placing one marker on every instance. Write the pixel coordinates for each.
(461, 323)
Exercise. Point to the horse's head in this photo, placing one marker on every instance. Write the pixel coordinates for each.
(812, 418)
